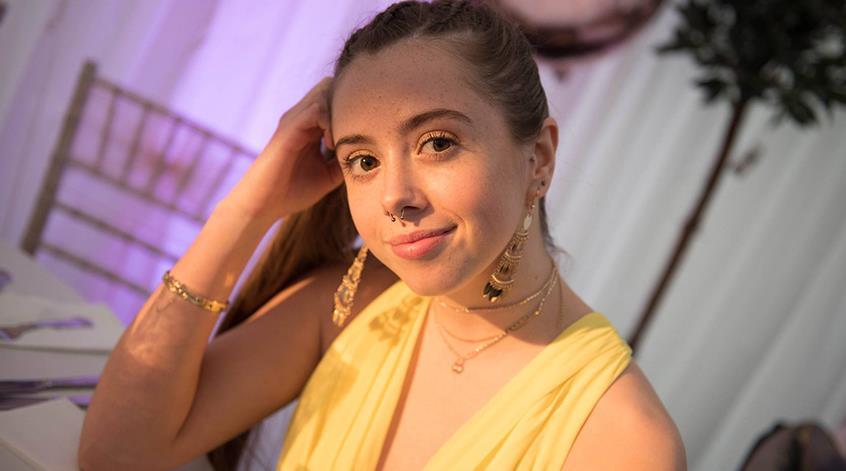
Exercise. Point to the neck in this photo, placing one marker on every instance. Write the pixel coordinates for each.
(531, 275)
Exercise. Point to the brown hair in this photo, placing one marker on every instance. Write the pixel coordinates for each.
(504, 71)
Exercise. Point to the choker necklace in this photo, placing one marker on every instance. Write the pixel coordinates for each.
(525, 300)
(549, 281)
(458, 365)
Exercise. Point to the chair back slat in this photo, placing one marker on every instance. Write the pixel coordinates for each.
(134, 148)
(186, 177)
(104, 138)
(159, 161)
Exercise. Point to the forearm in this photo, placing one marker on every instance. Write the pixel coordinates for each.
(149, 383)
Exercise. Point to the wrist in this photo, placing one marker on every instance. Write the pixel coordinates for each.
(244, 215)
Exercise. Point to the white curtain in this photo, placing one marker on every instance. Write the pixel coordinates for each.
(752, 329)
(144, 45)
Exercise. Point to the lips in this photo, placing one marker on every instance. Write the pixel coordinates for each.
(418, 244)
(418, 235)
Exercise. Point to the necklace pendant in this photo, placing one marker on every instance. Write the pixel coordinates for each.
(458, 366)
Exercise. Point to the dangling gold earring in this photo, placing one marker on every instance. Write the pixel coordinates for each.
(345, 294)
(503, 276)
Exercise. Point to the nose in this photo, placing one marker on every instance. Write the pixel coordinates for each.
(401, 196)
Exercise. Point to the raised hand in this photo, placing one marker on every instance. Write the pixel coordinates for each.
(290, 174)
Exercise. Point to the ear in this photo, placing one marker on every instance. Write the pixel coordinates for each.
(544, 149)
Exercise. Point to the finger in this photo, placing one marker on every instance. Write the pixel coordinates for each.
(314, 121)
(319, 92)
(309, 120)
(324, 118)
(324, 123)
(327, 140)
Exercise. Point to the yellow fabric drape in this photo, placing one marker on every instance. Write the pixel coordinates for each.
(345, 410)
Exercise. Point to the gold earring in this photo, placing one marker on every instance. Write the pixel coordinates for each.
(345, 294)
(503, 276)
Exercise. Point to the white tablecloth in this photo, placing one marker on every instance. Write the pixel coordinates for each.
(31, 279)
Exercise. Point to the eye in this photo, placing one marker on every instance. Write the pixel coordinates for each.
(360, 164)
(438, 142)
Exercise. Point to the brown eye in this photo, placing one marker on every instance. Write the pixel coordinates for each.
(361, 164)
(440, 144)
(367, 163)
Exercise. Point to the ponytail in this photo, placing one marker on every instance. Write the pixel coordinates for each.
(321, 235)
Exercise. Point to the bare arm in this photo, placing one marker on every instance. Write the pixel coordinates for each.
(164, 397)
(149, 383)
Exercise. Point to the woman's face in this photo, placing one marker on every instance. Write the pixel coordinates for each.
(411, 133)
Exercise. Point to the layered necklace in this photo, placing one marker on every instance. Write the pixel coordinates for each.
(458, 365)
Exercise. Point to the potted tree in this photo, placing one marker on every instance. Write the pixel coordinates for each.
(785, 54)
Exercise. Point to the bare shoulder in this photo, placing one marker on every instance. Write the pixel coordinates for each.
(375, 279)
(629, 428)
(317, 288)
(268, 359)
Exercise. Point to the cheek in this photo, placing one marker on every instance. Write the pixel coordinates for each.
(370, 222)
(489, 202)
(364, 212)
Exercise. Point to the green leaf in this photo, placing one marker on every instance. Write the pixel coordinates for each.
(788, 53)
(838, 96)
(713, 87)
(800, 111)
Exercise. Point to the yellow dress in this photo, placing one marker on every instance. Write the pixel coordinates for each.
(345, 410)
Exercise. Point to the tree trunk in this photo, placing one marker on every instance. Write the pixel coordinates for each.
(729, 136)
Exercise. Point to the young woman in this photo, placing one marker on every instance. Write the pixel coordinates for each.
(454, 345)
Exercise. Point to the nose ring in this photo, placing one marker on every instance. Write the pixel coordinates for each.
(394, 218)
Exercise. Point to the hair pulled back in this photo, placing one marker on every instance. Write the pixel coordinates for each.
(501, 68)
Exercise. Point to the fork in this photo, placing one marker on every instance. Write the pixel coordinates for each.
(11, 402)
(11, 332)
(5, 278)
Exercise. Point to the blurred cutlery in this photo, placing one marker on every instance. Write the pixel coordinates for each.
(11, 402)
(23, 386)
(5, 278)
(11, 332)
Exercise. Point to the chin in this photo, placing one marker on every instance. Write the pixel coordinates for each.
(427, 281)
(439, 274)
(424, 287)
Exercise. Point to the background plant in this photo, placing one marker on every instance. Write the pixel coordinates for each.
(785, 54)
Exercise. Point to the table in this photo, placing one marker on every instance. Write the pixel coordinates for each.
(32, 279)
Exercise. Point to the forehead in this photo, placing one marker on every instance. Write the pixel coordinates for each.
(404, 79)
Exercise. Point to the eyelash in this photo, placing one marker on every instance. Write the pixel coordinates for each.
(348, 164)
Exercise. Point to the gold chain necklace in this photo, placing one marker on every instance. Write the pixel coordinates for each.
(458, 365)
(560, 323)
(549, 281)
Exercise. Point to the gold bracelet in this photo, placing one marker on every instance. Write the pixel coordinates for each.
(180, 290)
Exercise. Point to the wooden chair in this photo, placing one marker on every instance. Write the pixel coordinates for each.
(128, 186)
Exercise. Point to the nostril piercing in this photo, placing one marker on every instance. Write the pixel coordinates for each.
(402, 215)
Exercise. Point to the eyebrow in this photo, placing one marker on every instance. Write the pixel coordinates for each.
(410, 124)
